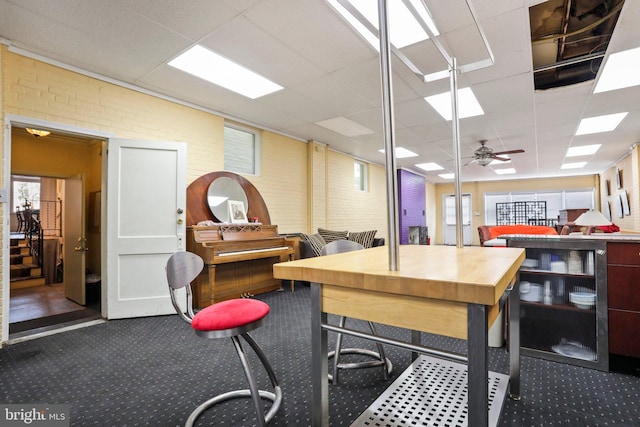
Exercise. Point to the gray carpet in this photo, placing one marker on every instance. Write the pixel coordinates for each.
(154, 371)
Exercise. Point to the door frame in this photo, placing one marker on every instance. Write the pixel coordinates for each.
(467, 235)
(11, 120)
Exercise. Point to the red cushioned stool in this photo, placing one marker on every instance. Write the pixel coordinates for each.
(228, 319)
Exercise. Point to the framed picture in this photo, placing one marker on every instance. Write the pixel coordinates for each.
(619, 205)
(606, 210)
(618, 179)
(236, 211)
(607, 187)
(625, 202)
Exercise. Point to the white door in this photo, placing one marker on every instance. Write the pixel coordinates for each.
(74, 245)
(145, 210)
(449, 219)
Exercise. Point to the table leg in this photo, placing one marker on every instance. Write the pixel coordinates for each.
(478, 368)
(416, 339)
(514, 341)
(293, 282)
(319, 365)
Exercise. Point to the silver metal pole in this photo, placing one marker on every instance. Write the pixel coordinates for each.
(389, 137)
(455, 125)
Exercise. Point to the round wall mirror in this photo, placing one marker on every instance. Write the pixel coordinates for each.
(220, 191)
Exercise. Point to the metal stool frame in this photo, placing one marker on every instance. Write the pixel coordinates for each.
(379, 358)
(182, 269)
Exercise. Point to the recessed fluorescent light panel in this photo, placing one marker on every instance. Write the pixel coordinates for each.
(576, 165)
(467, 103)
(344, 126)
(429, 166)
(620, 71)
(402, 153)
(404, 30)
(210, 66)
(598, 124)
(583, 150)
(446, 175)
(504, 171)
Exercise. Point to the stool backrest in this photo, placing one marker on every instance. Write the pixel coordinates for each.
(182, 268)
(339, 246)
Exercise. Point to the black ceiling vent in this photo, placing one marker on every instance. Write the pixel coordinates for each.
(569, 39)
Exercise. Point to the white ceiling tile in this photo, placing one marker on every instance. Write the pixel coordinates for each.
(180, 18)
(329, 71)
(313, 30)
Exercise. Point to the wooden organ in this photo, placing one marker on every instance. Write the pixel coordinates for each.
(238, 257)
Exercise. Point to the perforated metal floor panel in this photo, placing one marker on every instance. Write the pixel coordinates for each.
(431, 392)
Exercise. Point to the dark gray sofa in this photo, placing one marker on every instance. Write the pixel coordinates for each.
(307, 252)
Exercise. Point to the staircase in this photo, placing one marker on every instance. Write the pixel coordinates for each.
(25, 272)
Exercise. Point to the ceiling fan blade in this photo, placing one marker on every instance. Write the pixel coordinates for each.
(508, 152)
(502, 159)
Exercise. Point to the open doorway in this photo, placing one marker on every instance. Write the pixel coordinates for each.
(55, 279)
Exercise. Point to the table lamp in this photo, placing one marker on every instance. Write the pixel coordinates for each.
(591, 219)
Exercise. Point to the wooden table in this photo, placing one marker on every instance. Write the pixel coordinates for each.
(443, 290)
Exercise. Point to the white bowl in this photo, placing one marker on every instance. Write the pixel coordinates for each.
(582, 296)
(583, 306)
(534, 294)
(584, 300)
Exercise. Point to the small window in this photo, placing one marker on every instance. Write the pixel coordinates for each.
(26, 192)
(361, 176)
(241, 150)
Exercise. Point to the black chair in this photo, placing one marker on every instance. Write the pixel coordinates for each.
(379, 358)
(227, 319)
(21, 221)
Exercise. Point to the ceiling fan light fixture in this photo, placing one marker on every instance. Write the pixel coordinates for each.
(483, 161)
(38, 132)
(500, 162)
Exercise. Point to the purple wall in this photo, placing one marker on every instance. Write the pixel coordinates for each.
(411, 202)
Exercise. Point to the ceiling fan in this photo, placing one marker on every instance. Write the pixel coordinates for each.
(485, 155)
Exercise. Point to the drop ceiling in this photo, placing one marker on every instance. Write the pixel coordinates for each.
(328, 71)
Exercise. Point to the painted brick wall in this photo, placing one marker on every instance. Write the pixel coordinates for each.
(38, 90)
(411, 202)
(348, 209)
(51, 93)
(317, 186)
(283, 181)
